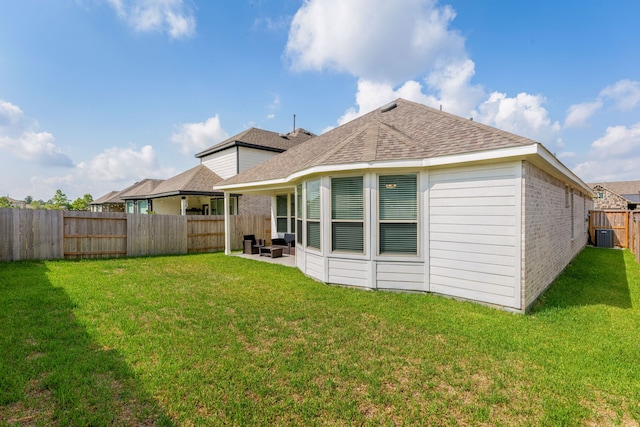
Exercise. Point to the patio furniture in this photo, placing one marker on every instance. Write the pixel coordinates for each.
(251, 245)
(288, 243)
(270, 251)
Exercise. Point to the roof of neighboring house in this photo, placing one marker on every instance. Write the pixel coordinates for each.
(107, 198)
(261, 139)
(401, 130)
(199, 179)
(628, 189)
(139, 190)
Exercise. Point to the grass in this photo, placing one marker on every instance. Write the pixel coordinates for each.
(215, 340)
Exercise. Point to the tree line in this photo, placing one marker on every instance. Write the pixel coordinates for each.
(59, 201)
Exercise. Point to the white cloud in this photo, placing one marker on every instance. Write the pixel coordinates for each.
(613, 157)
(19, 137)
(523, 115)
(171, 16)
(618, 141)
(121, 165)
(449, 86)
(625, 94)
(578, 114)
(195, 137)
(378, 40)
(10, 115)
(387, 44)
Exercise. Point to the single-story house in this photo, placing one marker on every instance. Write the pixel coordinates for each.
(191, 192)
(188, 193)
(130, 200)
(621, 195)
(410, 198)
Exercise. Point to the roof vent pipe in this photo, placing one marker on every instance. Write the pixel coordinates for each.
(390, 106)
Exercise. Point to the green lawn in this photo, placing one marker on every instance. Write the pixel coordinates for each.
(215, 340)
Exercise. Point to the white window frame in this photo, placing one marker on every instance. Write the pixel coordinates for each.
(361, 221)
(415, 221)
(309, 220)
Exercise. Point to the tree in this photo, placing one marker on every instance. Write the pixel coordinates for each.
(82, 204)
(59, 201)
(28, 200)
(5, 203)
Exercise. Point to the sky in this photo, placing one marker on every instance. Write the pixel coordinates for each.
(96, 95)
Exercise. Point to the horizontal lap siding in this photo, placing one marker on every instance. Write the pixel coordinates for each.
(314, 266)
(474, 233)
(400, 275)
(223, 163)
(349, 272)
(250, 157)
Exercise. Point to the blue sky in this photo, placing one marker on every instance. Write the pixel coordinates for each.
(98, 94)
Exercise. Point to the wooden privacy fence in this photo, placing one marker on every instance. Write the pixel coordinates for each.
(618, 221)
(625, 226)
(39, 234)
(634, 240)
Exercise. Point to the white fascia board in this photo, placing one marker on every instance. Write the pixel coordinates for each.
(557, 164)
(479, 156)
(521, 152)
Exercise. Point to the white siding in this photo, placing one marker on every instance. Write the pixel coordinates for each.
(349, 272)
(474, 236)
(250, 157)
(314, 266)
(400, 275)
(223, 163)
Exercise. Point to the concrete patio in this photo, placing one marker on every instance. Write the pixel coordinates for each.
(286, 260)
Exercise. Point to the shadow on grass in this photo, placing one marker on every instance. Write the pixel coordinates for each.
(595, 276)
(51, 370)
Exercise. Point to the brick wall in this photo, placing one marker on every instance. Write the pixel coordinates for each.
(254, 205)
(547, 223)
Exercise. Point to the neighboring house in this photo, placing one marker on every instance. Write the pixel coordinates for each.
(107, 203)
(188, 193)
(131, 200)
(411, 198)
(191, 192)
(623, 195)
(244, 151)
(20, 204)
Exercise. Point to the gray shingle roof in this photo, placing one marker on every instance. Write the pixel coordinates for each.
(199, 179)
(260, 138)
(622, 188)
(139, 190)
(107, 198)
(408, 131)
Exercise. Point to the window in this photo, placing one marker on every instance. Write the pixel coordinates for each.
(398, 214)
(313, 214)
(131, 207)
(143, 206)
(600, 195)
(347, 214)
(299, 214)
(281, 213)
(217, 206)
(573, 226)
